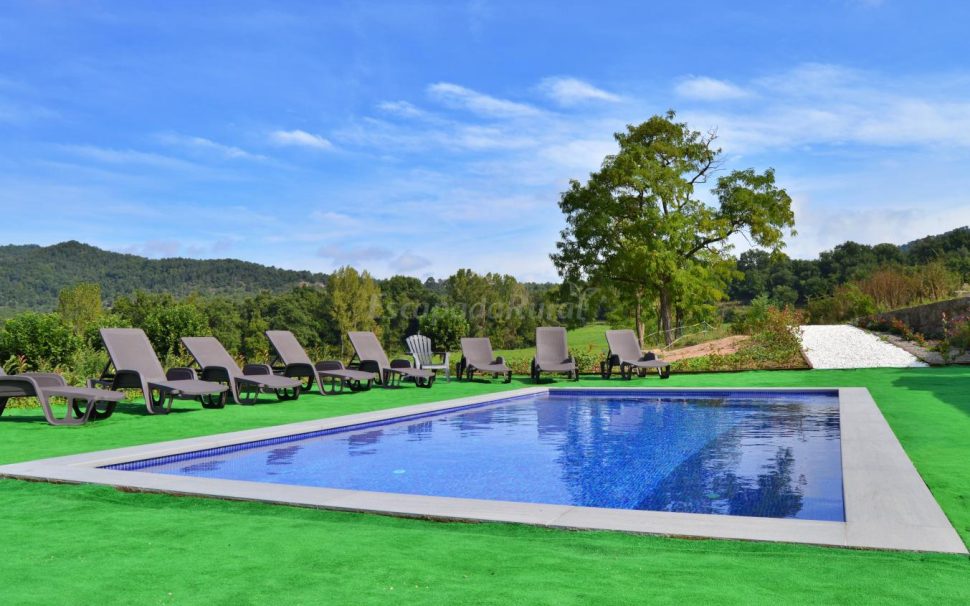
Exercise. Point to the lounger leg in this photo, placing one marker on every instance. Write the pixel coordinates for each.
(287, 393)
(3, 404)
(160, 404)
(214, 400)
(96, 413)
(664, 372)
(247, 394)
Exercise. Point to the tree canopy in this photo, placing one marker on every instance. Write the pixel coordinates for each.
(638, 224)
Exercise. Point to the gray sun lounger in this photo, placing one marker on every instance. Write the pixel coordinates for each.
(330, 375)
(136, 366)
(625, 352)
(476, 356)
(372, 358)
(245, 384)
(552, 353)
(82, 402)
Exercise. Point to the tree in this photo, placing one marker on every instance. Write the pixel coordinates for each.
(355, 301)
(80, 306)
(445, 326)
(405, 300)
(637, 224)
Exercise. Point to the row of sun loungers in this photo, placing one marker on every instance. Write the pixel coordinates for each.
(133, 364)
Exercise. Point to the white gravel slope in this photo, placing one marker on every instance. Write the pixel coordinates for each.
(842, 346)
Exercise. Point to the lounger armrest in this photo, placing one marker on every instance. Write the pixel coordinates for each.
(25, 378)
(257, 369)
(180, 373)
(46, 379)
(125, 379)
(325, 365)
(401, 363)
(499, 360)
(369, 366)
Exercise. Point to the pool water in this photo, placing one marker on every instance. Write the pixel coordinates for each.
(765, 454)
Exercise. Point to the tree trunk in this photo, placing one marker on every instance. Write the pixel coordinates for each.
(638, 316)
(665, 325)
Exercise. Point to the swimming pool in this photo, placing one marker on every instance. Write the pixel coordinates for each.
(742, 453)
(885, 503)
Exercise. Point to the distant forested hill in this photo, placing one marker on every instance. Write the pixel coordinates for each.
(31, 275)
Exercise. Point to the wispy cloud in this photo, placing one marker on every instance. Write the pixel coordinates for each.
(572, 91)
(208, 145)
(409, 262)
(455, 96)
(400, 108)
(109, 155)
(709, 89)
(830, 105)
(300, 138)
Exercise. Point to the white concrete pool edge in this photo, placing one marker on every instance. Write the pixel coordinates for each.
(887, 504)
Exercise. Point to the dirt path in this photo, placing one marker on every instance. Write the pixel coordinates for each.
(727, 345)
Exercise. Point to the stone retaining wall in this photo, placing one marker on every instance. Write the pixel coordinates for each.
(925, 319)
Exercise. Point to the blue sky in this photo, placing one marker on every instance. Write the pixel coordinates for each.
(417, 138)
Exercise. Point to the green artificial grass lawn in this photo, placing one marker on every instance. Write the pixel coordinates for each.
(92, 544)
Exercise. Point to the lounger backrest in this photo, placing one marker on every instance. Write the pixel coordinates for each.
(551, 344)
(477, 350)
(287, 347)
(208, 351)
(130, 349)
(420, 348)
(624, 343)
(369, 348)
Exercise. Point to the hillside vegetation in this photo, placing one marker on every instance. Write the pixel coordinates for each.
(31, 276)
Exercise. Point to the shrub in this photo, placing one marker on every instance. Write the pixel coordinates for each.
(445, 326)
(845, 303)
(43, 340)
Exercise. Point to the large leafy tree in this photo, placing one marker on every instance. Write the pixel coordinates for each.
(355, 301)
(638, 224)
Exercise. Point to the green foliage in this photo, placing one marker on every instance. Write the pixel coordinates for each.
(445, 326)
(166, 325)
(355, 301)
(43, 340)
(31, 276)
(405, 300)
(80, 306)
(846, 303)
(496, 306)
(637, 226)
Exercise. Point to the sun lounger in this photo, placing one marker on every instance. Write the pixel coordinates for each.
(419, 346)
(136, 366)
(625, 352)
(372, 358)
(330, 375)
(82, 402)
(552, 353)
(245, 384)
(476, 356)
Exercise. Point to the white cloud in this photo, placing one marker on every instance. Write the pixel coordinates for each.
(572, 91)
(825, 105)
(400, 108)
(353, 255)
(201, 143)
(300, 138)
(109, 155)
(709, 89)
(409, 262)
(453, 95)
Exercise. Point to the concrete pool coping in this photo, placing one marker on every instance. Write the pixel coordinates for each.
(887, 504)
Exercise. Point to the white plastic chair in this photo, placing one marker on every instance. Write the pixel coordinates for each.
(419, 346)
